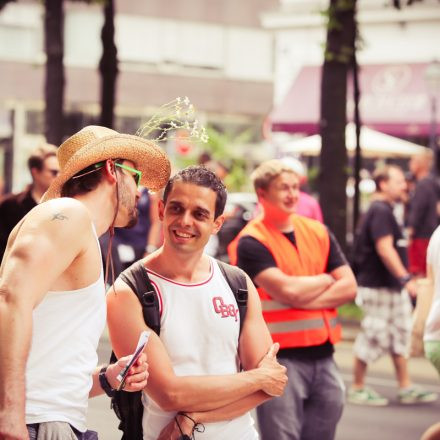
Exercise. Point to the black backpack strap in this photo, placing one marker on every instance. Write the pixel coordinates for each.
(236, 279)
(136, 277)
(128, 406)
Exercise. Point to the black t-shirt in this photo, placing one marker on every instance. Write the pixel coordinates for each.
(12, 209)
(253, 257)
(423, 216)
(378, 222)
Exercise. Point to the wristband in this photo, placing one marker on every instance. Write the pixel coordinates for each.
(105, 384)
(403, 280)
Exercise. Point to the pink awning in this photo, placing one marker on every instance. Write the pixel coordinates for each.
(394, 100)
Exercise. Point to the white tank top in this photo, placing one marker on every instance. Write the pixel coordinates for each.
(200, 329)
(432, 326)
(67, 326)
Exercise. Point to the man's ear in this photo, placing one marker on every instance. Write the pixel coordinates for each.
(161, 208)
(218, 223)
(110, 171)
(260, 193)
(33, 172)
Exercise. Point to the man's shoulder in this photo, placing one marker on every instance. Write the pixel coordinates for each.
(428, 183)
(248, 242)
(229, 268)
(67, 204)
(380, 207)
(11, 199)
(68, 212)
(309, 224)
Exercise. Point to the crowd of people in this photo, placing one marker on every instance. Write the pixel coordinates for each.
(215, 352)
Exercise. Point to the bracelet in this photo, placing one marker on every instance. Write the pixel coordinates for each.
(199, 427)
(403, 280)
(105, 384)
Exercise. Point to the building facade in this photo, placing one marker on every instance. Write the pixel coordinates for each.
(214, 51)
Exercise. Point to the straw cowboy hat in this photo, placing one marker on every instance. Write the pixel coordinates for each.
(94, 144)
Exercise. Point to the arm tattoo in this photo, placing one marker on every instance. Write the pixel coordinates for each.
(59, 216)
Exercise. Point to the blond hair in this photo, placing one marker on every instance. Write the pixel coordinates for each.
(269, 170)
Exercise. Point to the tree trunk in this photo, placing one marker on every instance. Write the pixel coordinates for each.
(333, 175)
(54, 80)
(108, 66)
(358, 151)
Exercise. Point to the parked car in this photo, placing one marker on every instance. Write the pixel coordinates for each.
(239, 209)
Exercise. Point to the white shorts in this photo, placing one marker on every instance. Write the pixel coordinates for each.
(386, 326)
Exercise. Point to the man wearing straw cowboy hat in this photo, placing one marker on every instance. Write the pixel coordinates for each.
(52, 298)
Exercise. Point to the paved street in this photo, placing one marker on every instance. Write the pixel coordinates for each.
(400, 422)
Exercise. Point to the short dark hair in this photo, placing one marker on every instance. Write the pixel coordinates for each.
(39, 155)
(200, 176)
(382, 174)
(82, 183)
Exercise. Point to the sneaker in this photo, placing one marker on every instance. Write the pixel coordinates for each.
(415, 395)
(366, 396)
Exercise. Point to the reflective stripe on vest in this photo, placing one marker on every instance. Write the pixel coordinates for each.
(304, 324)
(269, 305)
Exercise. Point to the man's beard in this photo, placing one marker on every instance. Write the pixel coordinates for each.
(132, 220)
(125, 199)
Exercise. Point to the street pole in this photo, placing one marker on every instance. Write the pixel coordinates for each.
(433, 135)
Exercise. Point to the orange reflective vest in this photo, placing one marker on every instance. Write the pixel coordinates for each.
(289, 326)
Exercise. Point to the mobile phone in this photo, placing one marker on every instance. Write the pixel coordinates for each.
(142, 342)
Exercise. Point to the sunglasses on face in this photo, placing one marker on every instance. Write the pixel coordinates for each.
(53, 172)
(136, 174)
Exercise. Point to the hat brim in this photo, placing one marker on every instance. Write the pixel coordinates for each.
(147, 157)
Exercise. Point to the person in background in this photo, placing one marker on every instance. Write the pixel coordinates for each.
(221, 171)
(422, 211)
(302, 277)
(43, 167)
(384, 288)
(307, 205)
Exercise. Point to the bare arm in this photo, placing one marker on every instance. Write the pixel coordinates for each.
(340, 292)
(296, 291)
(171, 392)
(43, 240)
(390, 258)
(187, 422)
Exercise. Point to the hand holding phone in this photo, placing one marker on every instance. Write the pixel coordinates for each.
(142, 342)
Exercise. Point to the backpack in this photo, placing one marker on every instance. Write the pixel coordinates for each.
(128, 406)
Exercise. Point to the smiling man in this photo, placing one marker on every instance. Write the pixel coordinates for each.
(194, 364)
(302, 276)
